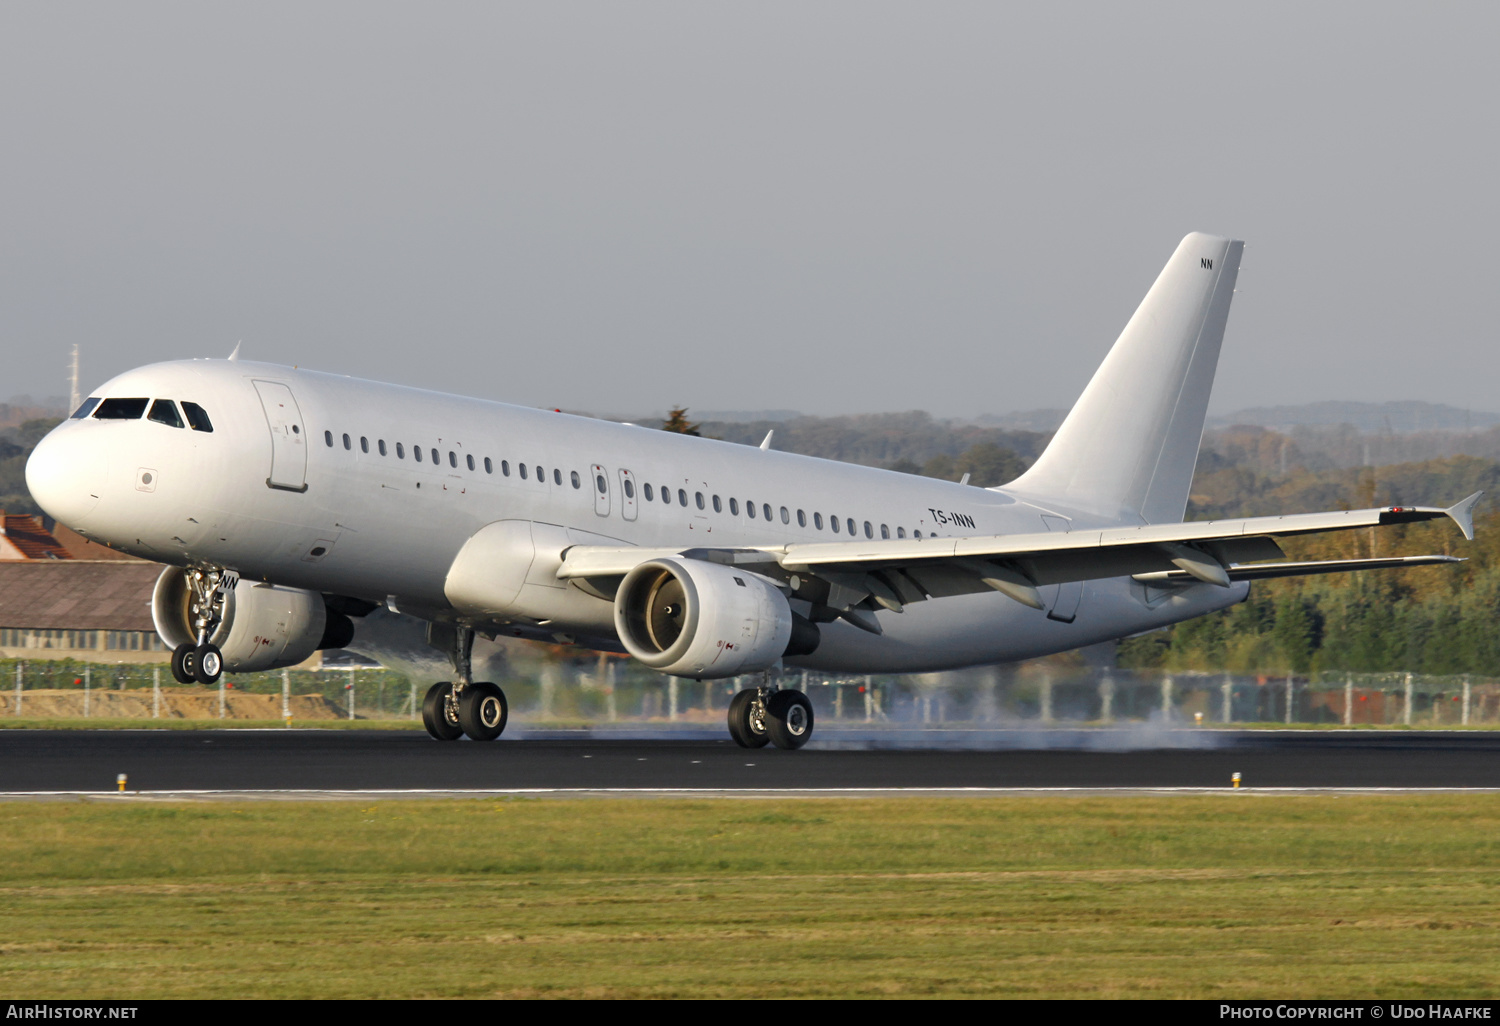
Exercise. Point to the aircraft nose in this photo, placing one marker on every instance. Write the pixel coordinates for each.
(66, 475)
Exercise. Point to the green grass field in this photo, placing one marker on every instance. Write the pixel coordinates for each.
(1237, 895)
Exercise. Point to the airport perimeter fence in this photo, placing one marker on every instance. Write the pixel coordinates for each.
(587, 690)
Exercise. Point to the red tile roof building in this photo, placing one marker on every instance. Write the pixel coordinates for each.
(22, 536)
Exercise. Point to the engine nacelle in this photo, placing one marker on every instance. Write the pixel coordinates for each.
(692, 618)
(265, 626)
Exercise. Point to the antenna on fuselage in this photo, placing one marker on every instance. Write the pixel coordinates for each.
(236, 354)
(766, 442)
(73, 397)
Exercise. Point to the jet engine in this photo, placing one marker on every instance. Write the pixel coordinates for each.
(692, 618)
(265, 626)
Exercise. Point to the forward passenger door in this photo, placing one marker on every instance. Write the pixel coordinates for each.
(288, 436)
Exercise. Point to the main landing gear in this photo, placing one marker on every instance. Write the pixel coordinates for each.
(465, 706)
(768, 714)
(200, 661)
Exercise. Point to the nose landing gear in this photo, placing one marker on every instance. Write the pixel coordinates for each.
(200, 661)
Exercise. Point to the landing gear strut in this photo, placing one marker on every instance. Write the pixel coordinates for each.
(464, 706)
(769, 714)
(200, 661)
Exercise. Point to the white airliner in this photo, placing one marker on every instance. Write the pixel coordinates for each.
(290, 504)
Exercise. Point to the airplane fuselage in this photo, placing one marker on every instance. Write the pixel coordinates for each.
(355, 488)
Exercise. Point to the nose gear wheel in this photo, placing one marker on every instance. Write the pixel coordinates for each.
(184, 663)
(208, 664)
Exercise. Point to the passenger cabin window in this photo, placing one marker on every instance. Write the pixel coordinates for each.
(164, 411)
(885, 533)
(698, 498)
(786, 518)
(734, 507)
(850, 524)
(505, 468)
(801, 519)
(121, 409)
(86, 409)
(452, 459)
(197, 417)
(649, 496)
(416, 453)
(470, 461)
(681, 497)
(489, 468)
(599, 483)
(347, 443)
(718, 506)
(833, 522)
(629, 487)
(557, 477)
(765, 508)
(750, 509)
(522, 468)
(900, 532)
(436, 459)
(381, 446)
(666, 495)
(328, 437)
(541, 476)
(364, 444)
(577, 481)
(869, 531)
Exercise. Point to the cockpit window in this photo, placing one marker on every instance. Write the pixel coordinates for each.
(86, 409)
(164, 411)
(197, 417)
(121, 409)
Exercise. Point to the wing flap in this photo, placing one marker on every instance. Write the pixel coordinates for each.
(1303, 569)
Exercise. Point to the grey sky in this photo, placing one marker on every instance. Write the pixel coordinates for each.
(815, 206)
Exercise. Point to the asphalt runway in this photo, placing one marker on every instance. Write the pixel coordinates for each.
(35, 761)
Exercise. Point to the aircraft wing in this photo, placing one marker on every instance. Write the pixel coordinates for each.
(889, 574)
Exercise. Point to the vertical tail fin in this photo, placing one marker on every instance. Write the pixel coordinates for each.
(1128, 447)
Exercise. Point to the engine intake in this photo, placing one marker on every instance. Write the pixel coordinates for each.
(692, 618)
(265, 626)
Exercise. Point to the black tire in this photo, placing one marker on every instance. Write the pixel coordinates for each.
(435, 713)
(482, 711)
(208, 664)
(743, 727)
(789, 719)
(183, 663)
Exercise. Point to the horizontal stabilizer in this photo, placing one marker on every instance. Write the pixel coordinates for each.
(1265, 571)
